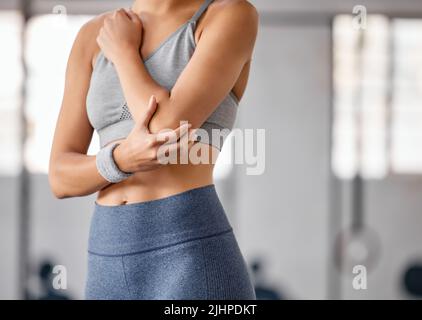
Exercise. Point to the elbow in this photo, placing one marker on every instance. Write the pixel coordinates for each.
(55, 188)
(59, 195)
(162, 118)
(56, 185)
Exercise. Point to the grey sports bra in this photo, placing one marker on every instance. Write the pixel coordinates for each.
(106, 106)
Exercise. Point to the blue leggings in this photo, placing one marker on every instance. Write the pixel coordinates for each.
(178, 247)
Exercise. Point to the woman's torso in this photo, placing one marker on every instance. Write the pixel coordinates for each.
(174, 178)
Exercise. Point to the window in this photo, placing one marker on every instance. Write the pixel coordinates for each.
(377, 126)
(48, 44)
(10, 92)
(407, 99)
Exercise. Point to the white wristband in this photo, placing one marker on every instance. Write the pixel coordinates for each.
(107, 167)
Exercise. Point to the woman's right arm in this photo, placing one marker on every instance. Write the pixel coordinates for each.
(71, 171)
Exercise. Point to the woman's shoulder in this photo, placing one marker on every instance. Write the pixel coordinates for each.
(237, 19)
(232, 15)
(242, 9)
(89, 30)
(93, 25)
(86, 38)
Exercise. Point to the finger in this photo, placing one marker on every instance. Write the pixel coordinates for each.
(192, 135)
(168, 153)
(173, 135)
(101, 36)
(106, 33)
(146, 117)
(133, 16)
(99, 40)
(107, 25)
(169, 136)
(122, 13)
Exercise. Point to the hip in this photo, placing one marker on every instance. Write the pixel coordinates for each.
(147, 225)
(178, 247)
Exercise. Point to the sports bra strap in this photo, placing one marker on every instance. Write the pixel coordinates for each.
(201, 10)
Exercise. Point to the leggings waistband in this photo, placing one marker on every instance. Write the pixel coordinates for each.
(144, 226)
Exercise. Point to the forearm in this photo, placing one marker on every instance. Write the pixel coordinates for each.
(204, 82)
(193, 98)
(73, 174)
(138, 85)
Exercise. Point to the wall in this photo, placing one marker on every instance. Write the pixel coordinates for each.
(283, 214)
(8, 238)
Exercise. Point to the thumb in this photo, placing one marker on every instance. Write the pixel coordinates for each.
(145, 118)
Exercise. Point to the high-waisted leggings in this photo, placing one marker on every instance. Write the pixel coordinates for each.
(178, 247)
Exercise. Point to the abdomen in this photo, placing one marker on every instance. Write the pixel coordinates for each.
(155, 184)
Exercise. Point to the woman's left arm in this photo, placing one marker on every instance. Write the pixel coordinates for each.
(225, 46)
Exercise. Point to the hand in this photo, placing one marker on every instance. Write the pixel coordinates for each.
(120, 35)
(140, 150)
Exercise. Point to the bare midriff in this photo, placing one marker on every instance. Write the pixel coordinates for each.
(159, 183)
